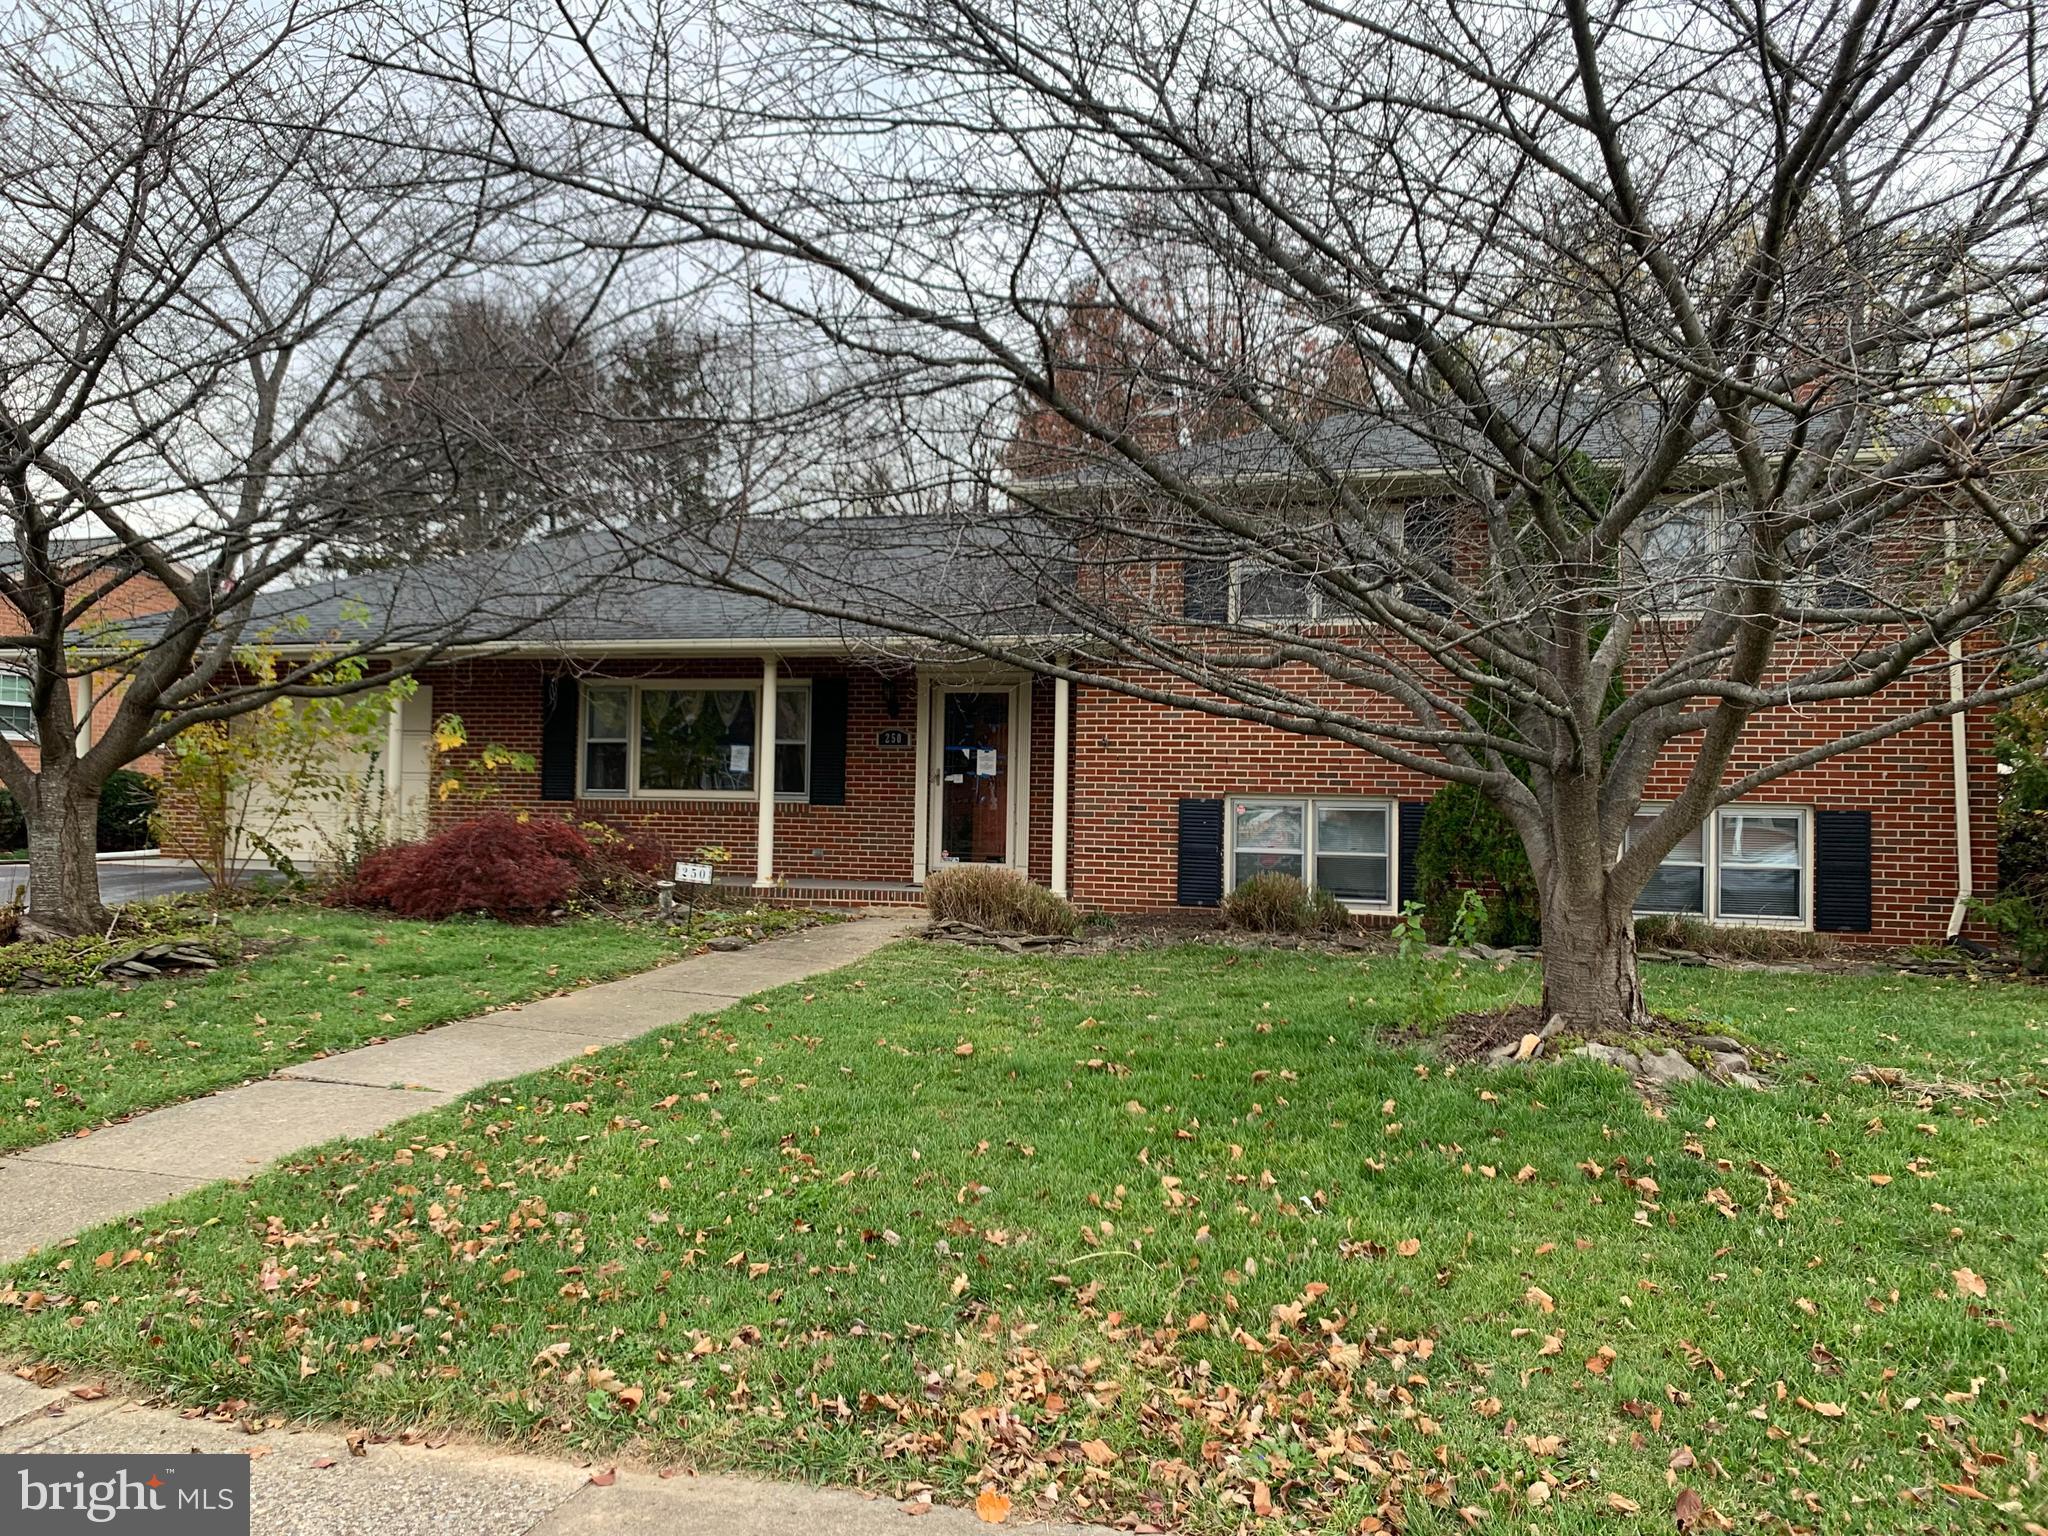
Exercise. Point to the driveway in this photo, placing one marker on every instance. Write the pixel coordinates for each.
(128, 879)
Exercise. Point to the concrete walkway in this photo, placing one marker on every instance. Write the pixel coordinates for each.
(306, 1482)
(52, 1191)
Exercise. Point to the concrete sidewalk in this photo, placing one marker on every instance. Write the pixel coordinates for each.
(307, 1482)
(52, 1191)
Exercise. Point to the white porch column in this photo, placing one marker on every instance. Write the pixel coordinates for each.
(764, 779)
(1062, 703)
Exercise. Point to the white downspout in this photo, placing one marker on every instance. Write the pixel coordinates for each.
(1959, 753)
(764, 779)
(1959, 764)
(1062, 698)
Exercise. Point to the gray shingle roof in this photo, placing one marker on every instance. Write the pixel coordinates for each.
(1419, 443)
(642, 586)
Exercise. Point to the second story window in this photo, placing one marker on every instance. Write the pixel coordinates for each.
(1676, 555)
(1263, 592)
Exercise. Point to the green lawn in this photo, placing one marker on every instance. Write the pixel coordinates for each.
(1169, 1235)
(79, 1057)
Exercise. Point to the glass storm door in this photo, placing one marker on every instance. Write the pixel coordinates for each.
(974, 776)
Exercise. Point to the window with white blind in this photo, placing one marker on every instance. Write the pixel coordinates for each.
(1342, 846)
(1746, 864)
(17, 706)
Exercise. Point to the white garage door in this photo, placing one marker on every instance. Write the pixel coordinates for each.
(306, 820)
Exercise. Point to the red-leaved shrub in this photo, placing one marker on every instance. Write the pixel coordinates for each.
(497, 864)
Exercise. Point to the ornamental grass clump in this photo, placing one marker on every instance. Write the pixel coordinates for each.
(1000, 900)
(1282, 904)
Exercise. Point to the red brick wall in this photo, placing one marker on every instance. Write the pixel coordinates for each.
(1040, 849)
(1131, 761)
(1134, 760)
(867, 838)
(870, 837)
(138, 595)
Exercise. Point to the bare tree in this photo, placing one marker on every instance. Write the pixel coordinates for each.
(499, 418)
(1668, 365)
(208, 220)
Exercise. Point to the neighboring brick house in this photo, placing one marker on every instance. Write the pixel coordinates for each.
(834, 763)
(133, 593)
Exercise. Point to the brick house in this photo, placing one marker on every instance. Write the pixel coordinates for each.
(129, 592)
(836, 763)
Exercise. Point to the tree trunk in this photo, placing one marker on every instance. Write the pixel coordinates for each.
(63, 874)
(1589, 963)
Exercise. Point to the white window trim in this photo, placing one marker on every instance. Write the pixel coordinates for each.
(634, 686)
(1309, 804)
(1710, 848)
(1238, 569)
(1394, 531)
(1714, 528)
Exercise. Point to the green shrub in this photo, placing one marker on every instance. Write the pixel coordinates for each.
(2019, 912)
(2021, 919)
(1282, 904)
(127, 804)
(2022, 850)
(1000, 900)
(1466, 844)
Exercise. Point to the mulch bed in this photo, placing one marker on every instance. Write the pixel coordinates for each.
(1467, 1036)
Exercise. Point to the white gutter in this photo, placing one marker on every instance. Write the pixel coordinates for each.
(730, 645)
(1062, 703)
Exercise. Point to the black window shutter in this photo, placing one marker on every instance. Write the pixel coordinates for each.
(1411, 839)
(828, 741)
(1841, 871)
(1205, 590)
(1200, 881)
(560, 699)
(1426, 531)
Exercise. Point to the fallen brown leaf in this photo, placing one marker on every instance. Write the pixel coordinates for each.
(992, 1506)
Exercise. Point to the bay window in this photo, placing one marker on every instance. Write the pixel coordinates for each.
(1340, 846)
(691, 740)
(1745, 865)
